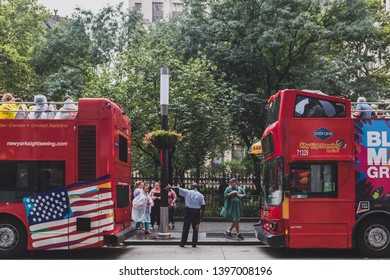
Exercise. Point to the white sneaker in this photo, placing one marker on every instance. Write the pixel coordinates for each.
(228, 234)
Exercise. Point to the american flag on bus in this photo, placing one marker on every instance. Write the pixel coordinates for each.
(53, 215)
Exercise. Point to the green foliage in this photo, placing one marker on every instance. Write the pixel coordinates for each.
(265, 45)
(66, 44)
(239, 169)
(20, 27)
(111, 30)
(261, 46)
(76, 46)
(59, 59)
(224, 61)
(196, 99)
(15, 74)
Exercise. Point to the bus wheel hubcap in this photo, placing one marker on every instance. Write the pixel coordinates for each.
(377, 237)
(8, 237)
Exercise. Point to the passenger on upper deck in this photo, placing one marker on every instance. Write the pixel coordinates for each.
(22, 108)
(7, 97)
(40, 108)
(52, 109)
(313, 108)
(363, 110)
(69, 110)
(20, 105)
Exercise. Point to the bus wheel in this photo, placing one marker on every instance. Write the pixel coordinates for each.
(13, 239)
(373, 238)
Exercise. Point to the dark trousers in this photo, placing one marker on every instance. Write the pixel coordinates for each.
(191, 218)
(155, 215)
(171, 214)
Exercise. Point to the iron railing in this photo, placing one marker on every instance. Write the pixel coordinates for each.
(214, 204)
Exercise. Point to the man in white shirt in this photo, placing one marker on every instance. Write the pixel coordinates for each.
(195, 205)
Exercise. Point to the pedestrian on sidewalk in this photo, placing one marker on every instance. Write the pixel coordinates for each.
(233, 207)
(195, 206)
(137, 212)
(155, 194)
(148, 209)
(171, 206)
(142, 205)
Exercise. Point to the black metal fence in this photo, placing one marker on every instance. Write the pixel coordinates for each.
(214, 203)
(213, 189)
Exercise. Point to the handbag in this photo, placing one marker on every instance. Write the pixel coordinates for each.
(224, 209)
(223, 212)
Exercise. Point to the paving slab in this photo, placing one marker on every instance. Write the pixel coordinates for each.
(210, 233)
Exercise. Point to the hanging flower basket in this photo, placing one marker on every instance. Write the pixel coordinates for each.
(162, 139)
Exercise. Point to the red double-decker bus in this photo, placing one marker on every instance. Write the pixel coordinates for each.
(65, 183)
(326, 175)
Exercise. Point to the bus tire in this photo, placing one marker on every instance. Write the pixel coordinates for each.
(13, 237)
(373, 237)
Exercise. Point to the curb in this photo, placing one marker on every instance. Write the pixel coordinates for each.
(204, 239)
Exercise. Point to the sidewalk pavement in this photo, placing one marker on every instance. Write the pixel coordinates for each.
(211, 232)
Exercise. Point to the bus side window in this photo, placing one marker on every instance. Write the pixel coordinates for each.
(315, 180)
(340, 110)
(300, 182)
(49, 175)
(43, 182)
(15, 181)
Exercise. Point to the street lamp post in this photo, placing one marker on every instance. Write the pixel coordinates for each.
(164, 154)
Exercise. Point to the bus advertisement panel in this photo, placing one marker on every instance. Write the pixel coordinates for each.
(372, 146)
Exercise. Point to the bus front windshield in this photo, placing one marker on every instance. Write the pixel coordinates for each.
(273, 182)
(273, 111)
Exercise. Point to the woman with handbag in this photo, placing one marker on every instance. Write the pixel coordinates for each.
(233, 207)
(171, 206)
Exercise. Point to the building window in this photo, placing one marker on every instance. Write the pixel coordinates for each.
(158, 11)
(177, 9)
(218, 160)
(237, 152)
(138, 6)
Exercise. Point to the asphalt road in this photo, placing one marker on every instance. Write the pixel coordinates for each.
(213, 245)
(205, 252)
(211, 262)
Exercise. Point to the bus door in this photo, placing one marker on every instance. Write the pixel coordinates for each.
(316, 217)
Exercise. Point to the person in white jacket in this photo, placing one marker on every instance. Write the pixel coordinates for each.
(142, 204)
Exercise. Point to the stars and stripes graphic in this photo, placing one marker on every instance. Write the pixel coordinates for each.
(53, 215)
(48, 206)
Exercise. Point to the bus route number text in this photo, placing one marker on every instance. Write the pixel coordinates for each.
(303, 153)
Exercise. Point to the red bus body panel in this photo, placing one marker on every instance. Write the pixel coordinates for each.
(97, 208)
(329, 222)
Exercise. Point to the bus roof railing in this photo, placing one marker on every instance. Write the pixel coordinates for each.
(383, 112)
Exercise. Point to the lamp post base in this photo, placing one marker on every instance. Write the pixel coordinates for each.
(164, 230)
(164, 235)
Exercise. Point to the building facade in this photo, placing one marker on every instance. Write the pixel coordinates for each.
(387, 4)
(155, 10)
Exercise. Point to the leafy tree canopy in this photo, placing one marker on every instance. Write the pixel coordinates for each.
(261, 46)
(197, 109)
(20, 26)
